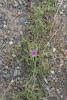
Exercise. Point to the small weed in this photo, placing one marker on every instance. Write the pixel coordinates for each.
(34, 52)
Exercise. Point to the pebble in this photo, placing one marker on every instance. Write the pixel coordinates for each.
(1, 63)
(18, 68)
(61, 93)
(59, 70)
(65, 37)
(20, 12)
(54, 49)
(5, 71)
(6, 67)
(12, 81)
(1, 25)
(21, 20)
(62, 96)
(52, 71)
(27, 22)
(58, 91)
(47, 88)
(65, 6)
(61, 61)
(5, 26)
(17, 72)
(1, 15)
(1, 72)
(20, 2)
(48, 44)
(61, 13)
(13, 55)
(65, 84)
(15, 5)
(7, 76)
(46, 80)
(10, 42)
(21, 32)
(52, 89)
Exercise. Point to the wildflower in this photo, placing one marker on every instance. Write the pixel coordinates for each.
(33, 52)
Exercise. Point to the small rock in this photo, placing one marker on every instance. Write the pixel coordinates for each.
(7, 76)
(62, 96)
(18, 68)
(58, 91)
(65, 37)
(46, 80)
(1, 72)
(20, 2)
(11, 39)
(47, 88)
(59, 70)
(52, 89)
(64, 33)
(1, 25)
(17, 72)
(65, 84)
(15, 5)
(54, 79)
(21, 20)
(1, 63)
(61, 13)
(52, 71)
(18, 78)
(61, 61)
(13, 55)
(12, 81)
(65, 6)
(6, 67)
(48, 44)
(20, 12)
(5, 71)
(3, 45)
(27, 22)
(54, 49)
(11, 42)
(5, 26)
(21, 32)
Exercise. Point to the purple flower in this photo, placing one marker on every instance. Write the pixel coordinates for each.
(33, 52)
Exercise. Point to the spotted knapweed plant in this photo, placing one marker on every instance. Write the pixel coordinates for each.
(33, 53)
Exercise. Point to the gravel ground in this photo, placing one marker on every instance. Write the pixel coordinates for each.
(12, 23)
(58, 66)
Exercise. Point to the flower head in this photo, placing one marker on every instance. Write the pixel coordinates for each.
(33, 52)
